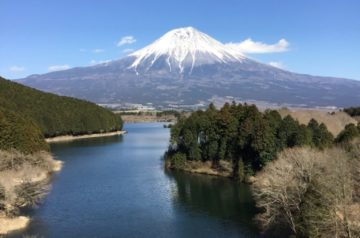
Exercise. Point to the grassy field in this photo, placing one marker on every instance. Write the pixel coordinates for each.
(147, 118)
(335, 122)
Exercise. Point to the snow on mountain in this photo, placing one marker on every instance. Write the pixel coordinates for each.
(185, 47)
(188, 67)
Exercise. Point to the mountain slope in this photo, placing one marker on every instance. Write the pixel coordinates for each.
(56, 115)
(186, 66)
(19, 133)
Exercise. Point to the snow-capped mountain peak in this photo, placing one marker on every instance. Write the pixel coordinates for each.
(186, 68)
(184, 48)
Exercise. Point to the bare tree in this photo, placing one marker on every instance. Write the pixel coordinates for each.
(311, 191)
(280, 187)
(23, 179)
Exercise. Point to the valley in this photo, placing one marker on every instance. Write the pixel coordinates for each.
(180, 119)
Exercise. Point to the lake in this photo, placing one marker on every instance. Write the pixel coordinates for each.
(117, 187)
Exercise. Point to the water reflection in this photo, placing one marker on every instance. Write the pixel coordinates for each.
(112, 189)
(217, 197)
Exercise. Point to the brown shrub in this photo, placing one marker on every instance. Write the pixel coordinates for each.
(14, 160)
(309, 191)
(23, 179)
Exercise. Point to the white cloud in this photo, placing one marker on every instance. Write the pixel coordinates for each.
(127, 51)
(16, 69)
(249, 46)
(126, 40)
(58, 67)
(277, 64)
(98, 50)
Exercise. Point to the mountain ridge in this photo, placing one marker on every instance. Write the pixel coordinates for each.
(206, 70)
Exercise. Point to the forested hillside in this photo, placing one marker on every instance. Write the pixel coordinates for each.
(18, 133)
(57, 115)
(242, 135)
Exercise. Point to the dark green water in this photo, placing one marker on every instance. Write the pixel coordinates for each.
(117, 187)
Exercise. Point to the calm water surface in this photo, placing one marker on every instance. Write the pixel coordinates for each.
(117, 187)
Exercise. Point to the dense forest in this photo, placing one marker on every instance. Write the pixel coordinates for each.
(57, 115)
(28, 115)
(244, 136)
(18, 133)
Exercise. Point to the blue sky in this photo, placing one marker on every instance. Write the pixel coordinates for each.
(322, 36)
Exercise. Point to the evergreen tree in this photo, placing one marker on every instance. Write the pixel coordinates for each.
(243, 135)
(287, 133)
(303, 136)
(57, 115)
(348, 134)
(321, 137)
(20, 133)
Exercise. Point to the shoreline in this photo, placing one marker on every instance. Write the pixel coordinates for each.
(144, 121)
(205, 168)
(9, 224)
(147, 118)
(71, 137)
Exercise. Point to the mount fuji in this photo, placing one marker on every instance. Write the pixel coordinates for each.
(182, 50)
(188, 67)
